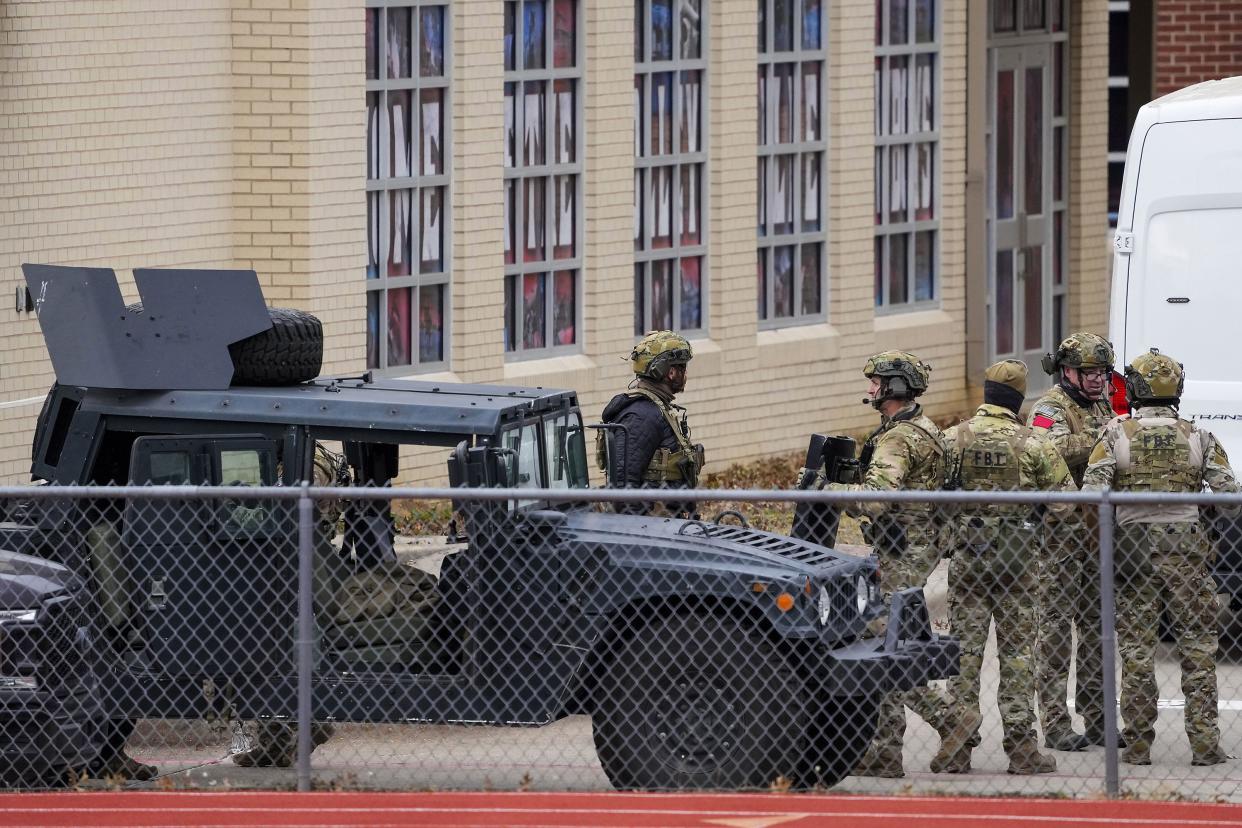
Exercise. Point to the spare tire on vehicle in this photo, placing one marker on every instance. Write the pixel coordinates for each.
(289, 352)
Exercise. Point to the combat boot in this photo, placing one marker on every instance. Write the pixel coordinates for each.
(1095, 736)
(1066, 740)
(961, 736)
(1137, 754)
(1213, 757)
(1025, 759)
(884, 765)
(958, 762)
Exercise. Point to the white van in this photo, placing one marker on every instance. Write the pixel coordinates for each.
(1177, 265)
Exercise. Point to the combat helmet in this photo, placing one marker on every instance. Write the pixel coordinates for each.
(657, 351)
(904, 376)
(1080, 350)
(1154, 377)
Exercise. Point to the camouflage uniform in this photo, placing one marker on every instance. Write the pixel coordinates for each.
(906, 452)
(1069, 580)
(992, 573)
(1162, 555)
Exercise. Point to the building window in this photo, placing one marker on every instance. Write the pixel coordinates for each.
(408, 135)
(543, 143)
(907, 152)
(670, 164)
(792, 82)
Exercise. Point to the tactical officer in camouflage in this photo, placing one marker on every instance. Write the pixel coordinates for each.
(1162, 554)
(905, 452)
(1072, 414)
(992, 573)
(649, 444)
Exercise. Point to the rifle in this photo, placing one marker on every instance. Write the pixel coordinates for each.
(818, 522)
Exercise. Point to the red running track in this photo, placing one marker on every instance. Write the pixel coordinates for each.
(142, 809)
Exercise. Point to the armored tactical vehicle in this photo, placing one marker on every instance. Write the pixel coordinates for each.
(706, 655)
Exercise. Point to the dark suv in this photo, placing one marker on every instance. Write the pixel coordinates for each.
(707, 655)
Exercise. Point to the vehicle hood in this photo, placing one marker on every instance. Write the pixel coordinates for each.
(670, 543)
(26, 581)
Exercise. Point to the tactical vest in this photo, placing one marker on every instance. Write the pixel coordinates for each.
(992, 462)
(1158, 454)
(680, 466)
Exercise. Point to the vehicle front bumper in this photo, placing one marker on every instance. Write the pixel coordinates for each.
(909, 654)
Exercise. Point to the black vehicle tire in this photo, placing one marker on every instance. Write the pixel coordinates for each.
(841, 730)
(289, 352)
(699, 702)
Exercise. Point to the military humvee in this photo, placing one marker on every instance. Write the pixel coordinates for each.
(706, 655)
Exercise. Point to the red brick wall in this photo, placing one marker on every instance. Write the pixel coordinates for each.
(1196, 41)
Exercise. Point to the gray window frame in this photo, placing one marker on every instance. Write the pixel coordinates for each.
(767, 240)
(416, 183)
(645, 162)
(548, 172)
(885, 229)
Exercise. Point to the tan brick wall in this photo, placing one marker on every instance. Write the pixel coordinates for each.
(233, 133)
(1090, 244)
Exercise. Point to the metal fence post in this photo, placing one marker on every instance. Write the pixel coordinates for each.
(1108, 643)
(306, 634)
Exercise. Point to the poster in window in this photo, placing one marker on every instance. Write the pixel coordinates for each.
(400, 247)
(782, 281)
(691, 26)
(926, 159)
(640, 114)
(398, 37)
(564, 307)
(564, 187)
(510, 228)
(783, 200)
(533, 17)
(810, 102)
(432, 243)
(563, 29)
(762, 287)
(662, 294)
(690, 177)
(898, 71)
(639, 235)
(783, 77)
(533, 311)
(510, 124)
(431, 323)
(924, 92)
(811, 198)
(534, 219)
(661, 29)
(373, 136)
(532, 123)
(662, 206)
(373, 328)
(399, 326)
(662, 113)
(373, 235)
(811, 281)
(431, 42)
(691, 306)
(399, 150)
(897, 186)
(810, 24)
(564, 141)
(691, 89)
(431, 154)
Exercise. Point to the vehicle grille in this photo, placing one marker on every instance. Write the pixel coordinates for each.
(790, 548)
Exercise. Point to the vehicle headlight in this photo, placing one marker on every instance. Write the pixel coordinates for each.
(862, 590)
(825, 605)
(10, 673)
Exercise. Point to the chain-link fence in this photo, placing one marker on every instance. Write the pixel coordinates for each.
(513, 639)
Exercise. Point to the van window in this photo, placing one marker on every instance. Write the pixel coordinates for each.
(1190, 292)
(241, 468)
(566, 453)
(170, 468)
